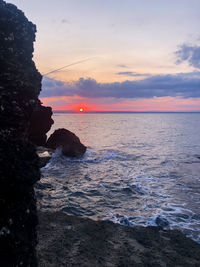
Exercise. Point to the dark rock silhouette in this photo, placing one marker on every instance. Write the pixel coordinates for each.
(20, 81)
(18, 218)
(68, 141)
(20, 84)
(162, 222)
(40, 124)
(44, 155)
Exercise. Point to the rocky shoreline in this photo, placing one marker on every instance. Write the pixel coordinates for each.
(75, 241)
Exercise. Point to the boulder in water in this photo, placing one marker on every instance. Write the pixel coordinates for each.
(68, 141)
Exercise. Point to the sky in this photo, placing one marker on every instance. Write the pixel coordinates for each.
(123, 55)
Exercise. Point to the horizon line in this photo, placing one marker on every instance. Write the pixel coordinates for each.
(118, 111)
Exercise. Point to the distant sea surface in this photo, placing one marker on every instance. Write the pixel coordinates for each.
(139, 169)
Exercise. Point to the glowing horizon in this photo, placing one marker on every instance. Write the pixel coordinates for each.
(163, 104)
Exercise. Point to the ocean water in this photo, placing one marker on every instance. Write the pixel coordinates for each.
(139, 169)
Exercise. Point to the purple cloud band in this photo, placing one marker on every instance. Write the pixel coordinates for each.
(185, 85)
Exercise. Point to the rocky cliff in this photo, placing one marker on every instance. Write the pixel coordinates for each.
(20, 84)
(40, 124)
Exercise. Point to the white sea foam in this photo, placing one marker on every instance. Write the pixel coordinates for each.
(88, 157)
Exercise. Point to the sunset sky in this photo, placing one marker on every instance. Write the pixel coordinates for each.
(134, 55)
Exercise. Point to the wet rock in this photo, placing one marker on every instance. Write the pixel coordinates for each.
(44, 155)
(162, 222)
(76, 241)
(40, 124)
(68, 141)
(44, 161)
(20, 84)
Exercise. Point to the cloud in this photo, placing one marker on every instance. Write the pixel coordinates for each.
(188, 53)
(122, 66)
(65, 21)
(132, 74)
(185, 85)
(57, 102)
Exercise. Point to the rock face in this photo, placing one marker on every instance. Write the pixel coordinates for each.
(68, 141)
(75, 241)
(18, 217)
(44, 155)
(20, 84)
(20, 81)
(40, 124)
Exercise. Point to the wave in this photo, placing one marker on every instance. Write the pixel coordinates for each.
(177, 217)
(111, 179)
(88, 157)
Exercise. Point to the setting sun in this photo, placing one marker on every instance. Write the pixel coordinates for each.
(81, 109)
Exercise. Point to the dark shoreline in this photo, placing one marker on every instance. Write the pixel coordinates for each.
(75, 241)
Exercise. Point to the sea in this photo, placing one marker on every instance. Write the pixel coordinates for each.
(140, 169)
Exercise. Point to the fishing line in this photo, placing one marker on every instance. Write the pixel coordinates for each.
(77, 62)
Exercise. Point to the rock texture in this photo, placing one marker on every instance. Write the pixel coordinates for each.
(68, 141)
(20, 81)
(20, 84)
(44, 154)
(40, 124)
(71, 241)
